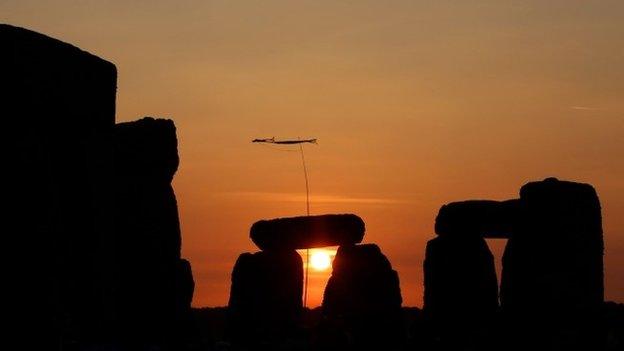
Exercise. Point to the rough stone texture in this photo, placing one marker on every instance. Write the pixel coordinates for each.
(308, 231)
(58, 108)
(478, 218)
(461, 290)
(364, 296)
(553, 264)
(153, 281)
(265, 296)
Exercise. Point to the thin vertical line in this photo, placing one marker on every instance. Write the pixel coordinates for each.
(307, 270)
(305, 174)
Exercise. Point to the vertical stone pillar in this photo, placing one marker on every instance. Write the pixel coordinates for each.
(552, 286)
(265, 297)
(461, 289)
(151, 274)
(58, 109)
(363, 296)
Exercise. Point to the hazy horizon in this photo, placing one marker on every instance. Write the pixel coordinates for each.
(414, 105)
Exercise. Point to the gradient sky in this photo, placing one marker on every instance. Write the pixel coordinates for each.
(414, 103)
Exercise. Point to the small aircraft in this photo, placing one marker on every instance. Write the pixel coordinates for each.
(287, 142)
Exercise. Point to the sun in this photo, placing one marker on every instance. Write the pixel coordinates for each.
(320, 260)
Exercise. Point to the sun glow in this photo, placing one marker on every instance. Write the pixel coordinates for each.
(320, 260)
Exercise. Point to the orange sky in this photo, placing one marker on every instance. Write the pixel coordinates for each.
(414, 104)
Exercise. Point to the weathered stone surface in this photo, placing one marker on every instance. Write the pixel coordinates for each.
(308, 231)
(478, 218)
(265, 295)
(553, 264)
(58, 106)
(150, 272)
(461, 288)
(364, 295)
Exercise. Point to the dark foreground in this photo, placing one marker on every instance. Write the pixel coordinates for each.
(93, 258)
(211, 333)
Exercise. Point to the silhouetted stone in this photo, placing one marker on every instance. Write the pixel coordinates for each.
(364, 295)
(184, 287)
(265, 296)
(308, 231)
(484, 218)
(461, 290)
(148, 232)
(58, 107)
(147, 150)
(552, 283)
(613, 317)
(93, 217)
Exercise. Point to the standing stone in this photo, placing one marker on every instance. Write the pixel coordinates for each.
(151, 273)
(184, 326)
(58, 109)
(461, 289)
(552, 284)
(185, 286)
(265, 296)
(364, 296)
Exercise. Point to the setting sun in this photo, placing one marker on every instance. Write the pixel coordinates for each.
(320, 260)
